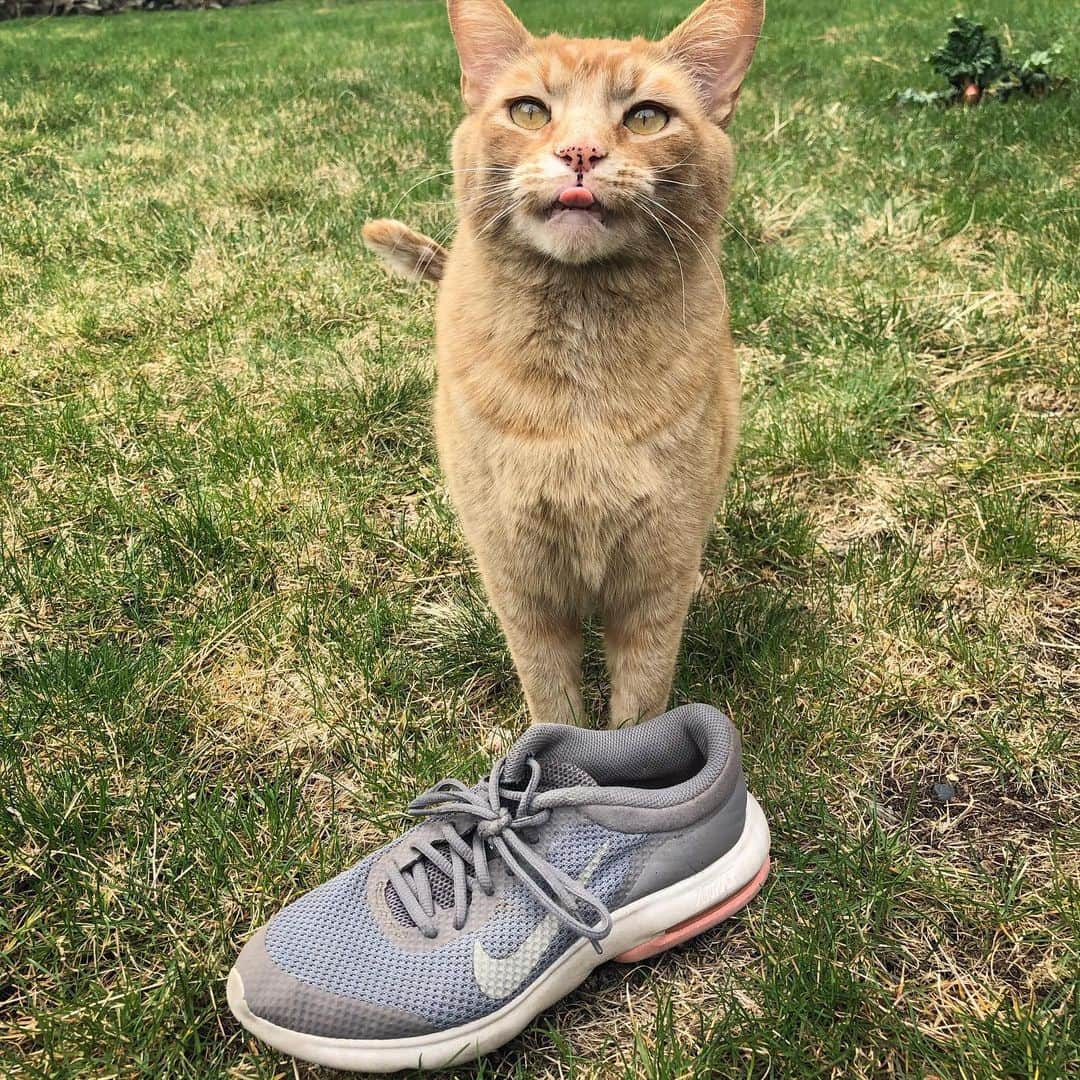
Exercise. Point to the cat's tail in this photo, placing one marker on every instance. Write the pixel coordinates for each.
(408, 253)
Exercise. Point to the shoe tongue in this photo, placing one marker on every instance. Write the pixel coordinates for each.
(558, 750)
(552, 745)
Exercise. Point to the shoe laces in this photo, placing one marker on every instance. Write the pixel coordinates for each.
(493, 830)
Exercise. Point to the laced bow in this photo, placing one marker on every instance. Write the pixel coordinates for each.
(466, 861)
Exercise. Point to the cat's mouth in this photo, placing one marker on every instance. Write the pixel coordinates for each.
(575, 204)
(571, 225)
(558, 212)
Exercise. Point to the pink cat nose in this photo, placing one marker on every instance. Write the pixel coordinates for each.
(581, 157)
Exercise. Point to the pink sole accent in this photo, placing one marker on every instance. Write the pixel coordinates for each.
(697, 924)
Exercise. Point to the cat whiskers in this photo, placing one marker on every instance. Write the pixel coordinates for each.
(486, 197)
(501, 215)
(507, 193)
(685, 164)
(674, 249)
(447, 172)
(700, 246)
(440, 240)
(737, 231)
(647, 179)
(716, 213)
(729, 223)
(654, 179)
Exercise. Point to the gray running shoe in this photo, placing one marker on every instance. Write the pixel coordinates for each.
(580, 847)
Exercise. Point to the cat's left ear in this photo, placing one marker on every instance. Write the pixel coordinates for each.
(715, 45)
(488, 36)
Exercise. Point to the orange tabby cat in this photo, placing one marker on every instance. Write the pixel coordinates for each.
(588, 396)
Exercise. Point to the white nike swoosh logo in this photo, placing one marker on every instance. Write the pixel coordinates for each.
(501, 977)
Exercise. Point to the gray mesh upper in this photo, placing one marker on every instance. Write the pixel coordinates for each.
(330, 939)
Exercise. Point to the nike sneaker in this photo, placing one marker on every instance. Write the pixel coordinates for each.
(580, 847)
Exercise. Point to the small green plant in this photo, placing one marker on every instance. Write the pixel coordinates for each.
(976, 67)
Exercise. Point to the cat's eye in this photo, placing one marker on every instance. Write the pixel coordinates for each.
(646, 119)
(529, 113)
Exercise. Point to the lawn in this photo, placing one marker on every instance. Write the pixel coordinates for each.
(239, 627)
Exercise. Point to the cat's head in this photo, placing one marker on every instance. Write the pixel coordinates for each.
(582, 150)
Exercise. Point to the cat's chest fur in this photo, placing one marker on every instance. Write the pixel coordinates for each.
(595, 366)
(565, 418)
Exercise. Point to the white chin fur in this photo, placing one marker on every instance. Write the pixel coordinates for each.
(569, 236)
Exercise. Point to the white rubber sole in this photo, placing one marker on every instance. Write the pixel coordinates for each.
(632, 926)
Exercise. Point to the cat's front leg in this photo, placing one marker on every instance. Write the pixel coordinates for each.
(545, 643)
(644, 615)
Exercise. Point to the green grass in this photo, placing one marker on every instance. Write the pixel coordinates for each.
(239, 627)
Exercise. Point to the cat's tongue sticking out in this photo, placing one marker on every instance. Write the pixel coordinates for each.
(577, 198)
(575, 205)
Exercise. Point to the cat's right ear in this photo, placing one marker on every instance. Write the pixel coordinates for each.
(488, 37)
(715, 45)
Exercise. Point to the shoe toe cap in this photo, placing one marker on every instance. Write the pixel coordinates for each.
(272, 995)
